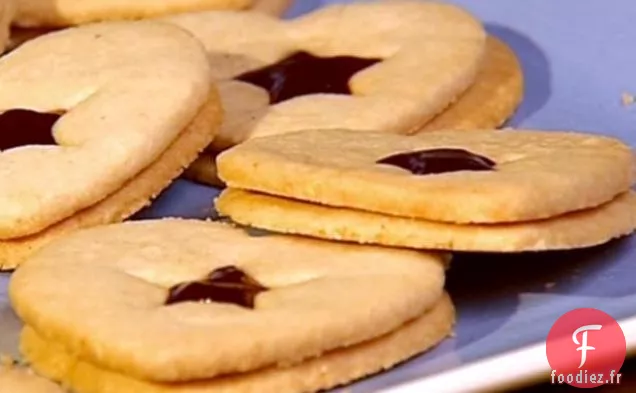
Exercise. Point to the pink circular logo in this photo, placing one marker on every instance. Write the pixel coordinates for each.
(586, 348)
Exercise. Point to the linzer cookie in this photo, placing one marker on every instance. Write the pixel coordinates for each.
(451, 190)
(235, 320)
(6, 15)
(61, 13)
(394, 64)
(81, 144)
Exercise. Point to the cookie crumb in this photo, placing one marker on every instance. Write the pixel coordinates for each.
(628, 99)
(550, 285)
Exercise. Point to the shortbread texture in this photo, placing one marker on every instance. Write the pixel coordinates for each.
(538, 174)
(133, 195)
(430, 52)
(585, 228)
(487, 104)
(61, 13)
(124, 102)
(322, 296)
(317, 374)
(492, 99)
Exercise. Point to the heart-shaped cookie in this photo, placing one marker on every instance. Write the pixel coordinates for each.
(462, 177)
(386, 65)
(221, 301)
(383, 65)
(81, 143)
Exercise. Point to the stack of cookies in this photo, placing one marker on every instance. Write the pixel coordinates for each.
(400, 67)
(194, 306)
(80, 143)
(499, 191)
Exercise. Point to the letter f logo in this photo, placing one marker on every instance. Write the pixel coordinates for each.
(583, 344)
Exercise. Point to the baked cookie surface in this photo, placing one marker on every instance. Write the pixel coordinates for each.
(83, 95)
(313, 297)
(580, 229)
(60, 13)
(19, 35)
(329, 370)
(450, 176)
(405, 61)
(492, 99)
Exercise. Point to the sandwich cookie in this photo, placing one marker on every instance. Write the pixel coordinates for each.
(394, 64)
(80, 143)
(450, 190)
(236, 320)
(493, 98)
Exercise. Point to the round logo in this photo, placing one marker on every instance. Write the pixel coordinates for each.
(586, 348)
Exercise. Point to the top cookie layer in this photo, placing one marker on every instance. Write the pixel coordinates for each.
(102, 292)
(430, 54)
(127, 90)
(59, 13)
(538, 174)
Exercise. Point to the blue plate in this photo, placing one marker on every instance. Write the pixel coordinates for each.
(578, 58)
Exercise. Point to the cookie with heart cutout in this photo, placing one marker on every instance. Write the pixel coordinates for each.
(585, 228)
(81, 144)
(492, 99)
(462, 177)
(14, 379)
(7, 9)
(231, 314)
(488, 103)
(63, 13)
(395, 64)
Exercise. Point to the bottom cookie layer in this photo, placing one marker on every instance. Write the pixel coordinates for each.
(332, 369)
(585, 228)
(133, 196)
(19, 380)
(492, 99)
(203, 170)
